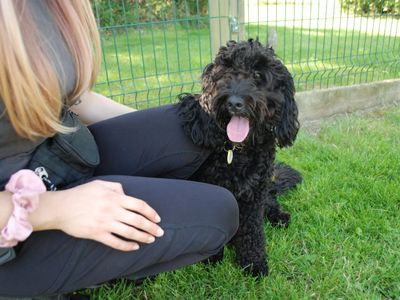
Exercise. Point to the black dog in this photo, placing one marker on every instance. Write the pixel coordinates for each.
(246, 109)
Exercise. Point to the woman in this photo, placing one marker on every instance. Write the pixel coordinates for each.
(135, 217)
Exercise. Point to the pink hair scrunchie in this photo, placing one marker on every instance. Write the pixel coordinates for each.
(25, 186)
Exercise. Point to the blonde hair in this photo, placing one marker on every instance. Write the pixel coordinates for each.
(29, 85)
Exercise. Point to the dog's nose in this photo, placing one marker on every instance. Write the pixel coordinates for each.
(235, 103)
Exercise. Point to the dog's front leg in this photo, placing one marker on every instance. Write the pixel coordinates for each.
(249, 241)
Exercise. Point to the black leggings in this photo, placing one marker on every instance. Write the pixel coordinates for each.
(147, 152)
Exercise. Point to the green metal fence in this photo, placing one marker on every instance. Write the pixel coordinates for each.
(153, 50)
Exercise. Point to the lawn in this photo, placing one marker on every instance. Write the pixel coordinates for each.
(344, 238)
(150, 64)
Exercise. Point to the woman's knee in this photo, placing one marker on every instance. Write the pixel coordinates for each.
(226, 211)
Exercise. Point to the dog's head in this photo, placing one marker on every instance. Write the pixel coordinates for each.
(247, 90)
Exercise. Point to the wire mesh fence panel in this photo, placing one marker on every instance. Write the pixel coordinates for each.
(156, 49)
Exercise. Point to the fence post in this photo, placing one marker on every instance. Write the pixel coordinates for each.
(226, 22)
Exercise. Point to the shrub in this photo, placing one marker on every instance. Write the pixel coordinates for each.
(372, 7)
(110, 13)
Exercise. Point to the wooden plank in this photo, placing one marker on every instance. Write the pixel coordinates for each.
(221, 14)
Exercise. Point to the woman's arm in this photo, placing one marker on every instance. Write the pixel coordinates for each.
(93, 107)
(96, 210)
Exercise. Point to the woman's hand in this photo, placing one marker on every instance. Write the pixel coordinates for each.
(99, 210)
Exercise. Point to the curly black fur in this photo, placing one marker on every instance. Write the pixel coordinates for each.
(249, 73)
(285, 178)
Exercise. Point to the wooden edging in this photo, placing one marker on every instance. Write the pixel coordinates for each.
(319, 104)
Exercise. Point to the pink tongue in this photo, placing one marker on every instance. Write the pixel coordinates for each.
(237, 129)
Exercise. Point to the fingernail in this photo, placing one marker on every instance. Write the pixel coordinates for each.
(160, 232)
(157, 218)
(135, 247)
(151, 239)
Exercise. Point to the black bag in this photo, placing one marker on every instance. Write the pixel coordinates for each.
(6, 255)
(66, 158)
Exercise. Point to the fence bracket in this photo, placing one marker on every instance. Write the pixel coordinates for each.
(234, 24)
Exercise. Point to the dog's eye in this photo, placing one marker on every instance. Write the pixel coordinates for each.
(258, 75)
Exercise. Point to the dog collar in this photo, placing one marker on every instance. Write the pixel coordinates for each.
(229, 152)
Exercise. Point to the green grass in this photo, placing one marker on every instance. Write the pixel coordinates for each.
(344, 238)
(149, 65)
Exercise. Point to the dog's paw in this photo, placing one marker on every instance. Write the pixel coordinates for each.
(280, 219)
(257, 269)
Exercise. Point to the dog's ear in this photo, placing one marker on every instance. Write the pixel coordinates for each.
(192, 117)
(288, 125)
(198, 124)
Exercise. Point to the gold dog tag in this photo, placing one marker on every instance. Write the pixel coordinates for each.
(229, 157)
